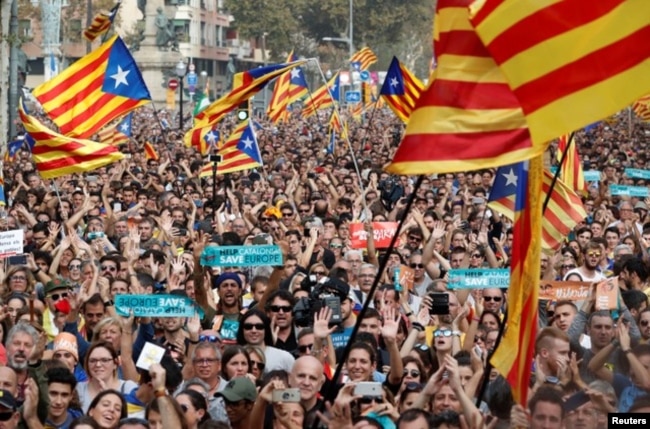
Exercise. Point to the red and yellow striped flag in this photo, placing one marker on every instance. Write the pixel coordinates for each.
(571, 169)
(100, 24)
(278, 104)
(150, 152)
(57, 155)
(642, 108)
(568, 62)
(514, 356)
(467, 118)
(365, 57)
(324, 97)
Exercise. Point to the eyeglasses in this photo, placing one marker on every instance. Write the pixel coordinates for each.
(18, 278)
(412, 373)
(135, 421)
(306, 348)
(259, 365)
(593, 254)
(95, 361)
(442, 333)
(205, 361)
(266, 219)
(209, 339)
(303, 211)
(370, 399)
(58, 296)
(568, 267)
(416, 265)
(281, 308)
(421, 347)
(250, 326)
(477, 255)
(644, 322)
(335, 246)
(6, 415)
(74, 266)
(491, 298)
(414, 238)
(108, 268)
(478, 338)
(319, 273)
(287, 214)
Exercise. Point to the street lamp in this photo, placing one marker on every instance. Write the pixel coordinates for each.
(181, 69)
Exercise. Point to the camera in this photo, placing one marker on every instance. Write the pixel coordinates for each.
(327, 293)
(439, 303)
(94, 235)
(214, 158)
(286, 395)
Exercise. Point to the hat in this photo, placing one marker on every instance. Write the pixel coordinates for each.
(640, 206)
(238, 389)
(226, 276)
(56, 284)
(7, 400)
(65, 341)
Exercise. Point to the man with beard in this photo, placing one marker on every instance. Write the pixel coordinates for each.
(279, 308)
(493, 299)
(21, 343)
(644, 326)
(307, 375)
(174, 338)
(226, 321)
(634, 274)
(551, 354)
(587, 272)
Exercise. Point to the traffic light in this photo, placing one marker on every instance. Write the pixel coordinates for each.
(242, 111)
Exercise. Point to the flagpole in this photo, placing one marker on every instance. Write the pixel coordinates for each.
(347, 140)
(547, 199)
(331, 393)
(105, 35)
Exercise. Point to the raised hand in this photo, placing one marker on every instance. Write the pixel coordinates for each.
(391, 325)
(321, 323)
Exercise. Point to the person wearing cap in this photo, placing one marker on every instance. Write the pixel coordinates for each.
(239, 395)
(226, 321)
(9, 415)
(65, 350)
(56, 291)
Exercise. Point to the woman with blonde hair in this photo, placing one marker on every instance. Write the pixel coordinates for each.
(17, 279)
(257, 361)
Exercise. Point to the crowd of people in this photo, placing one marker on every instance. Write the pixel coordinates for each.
(269, 339)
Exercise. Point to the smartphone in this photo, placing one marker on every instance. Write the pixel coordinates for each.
(17, 260)
(439, 303)
(575, 401)
(262, 239)
(117, 207)
(368, 388)
(478, 351)
(286, 395)
(94, 235)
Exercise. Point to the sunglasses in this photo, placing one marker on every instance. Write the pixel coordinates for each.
(477, 255)
(594, 254)
(416, 265)
(412, 373)
(280, 308)
(108, 268)
(644, 322)
(287, 214)
(442, 333)
(370, 399)
(259, 365)
(492, 298)
(6, 415)
(319, 273)
(335, 246)
(74, 266)
(58, 296)
(205, 361)
(305, 348)
(414, 238)
(266, 219)
(251, 326)
(303, 211)
(209, 338)
(568, 267)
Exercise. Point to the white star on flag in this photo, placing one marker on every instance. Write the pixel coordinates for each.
(394, 81)
(295, 73)
(248, 143)
(120, 76)
(511, 178)
(125, 128)
(211, 137)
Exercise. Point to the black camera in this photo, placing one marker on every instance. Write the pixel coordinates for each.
(439, 303)
(329, 293)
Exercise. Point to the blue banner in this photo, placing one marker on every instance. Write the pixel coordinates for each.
(241, 256)
(629, 191)
(635, 173)
(589, 175)
(479, 278)
(156, 306)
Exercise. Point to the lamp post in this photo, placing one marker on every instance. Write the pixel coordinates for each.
(181, 69)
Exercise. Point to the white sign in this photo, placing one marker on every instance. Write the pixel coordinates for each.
(11, 243)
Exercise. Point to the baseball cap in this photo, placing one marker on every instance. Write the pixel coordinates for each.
(7, 400)
(56, 284)
(238, 389)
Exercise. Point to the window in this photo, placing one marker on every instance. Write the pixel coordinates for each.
(25, 28)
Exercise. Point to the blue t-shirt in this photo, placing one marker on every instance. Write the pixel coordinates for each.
(340, 339)
(627, 392)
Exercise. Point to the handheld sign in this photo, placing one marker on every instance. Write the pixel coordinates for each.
(382, 232)
(629, 191)
(11, 243)
(156, 306)
(635, 173)
(151, 353)
(406, 277)
(565, 291)
(607, 294)
(479, 278)
(241, 256)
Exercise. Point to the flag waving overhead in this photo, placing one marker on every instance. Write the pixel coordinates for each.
(467, 118)
(568, 63)
(642, 108)
(323, 97)
(57, 155)
(150, 152)
(401, 89)
(245, 85)
(93, 91)
(514, 356)
(239, 152)
(363, 59)
(564, 210)
(289, 88)
(571, 168)
(203, 139)
(100, 24)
